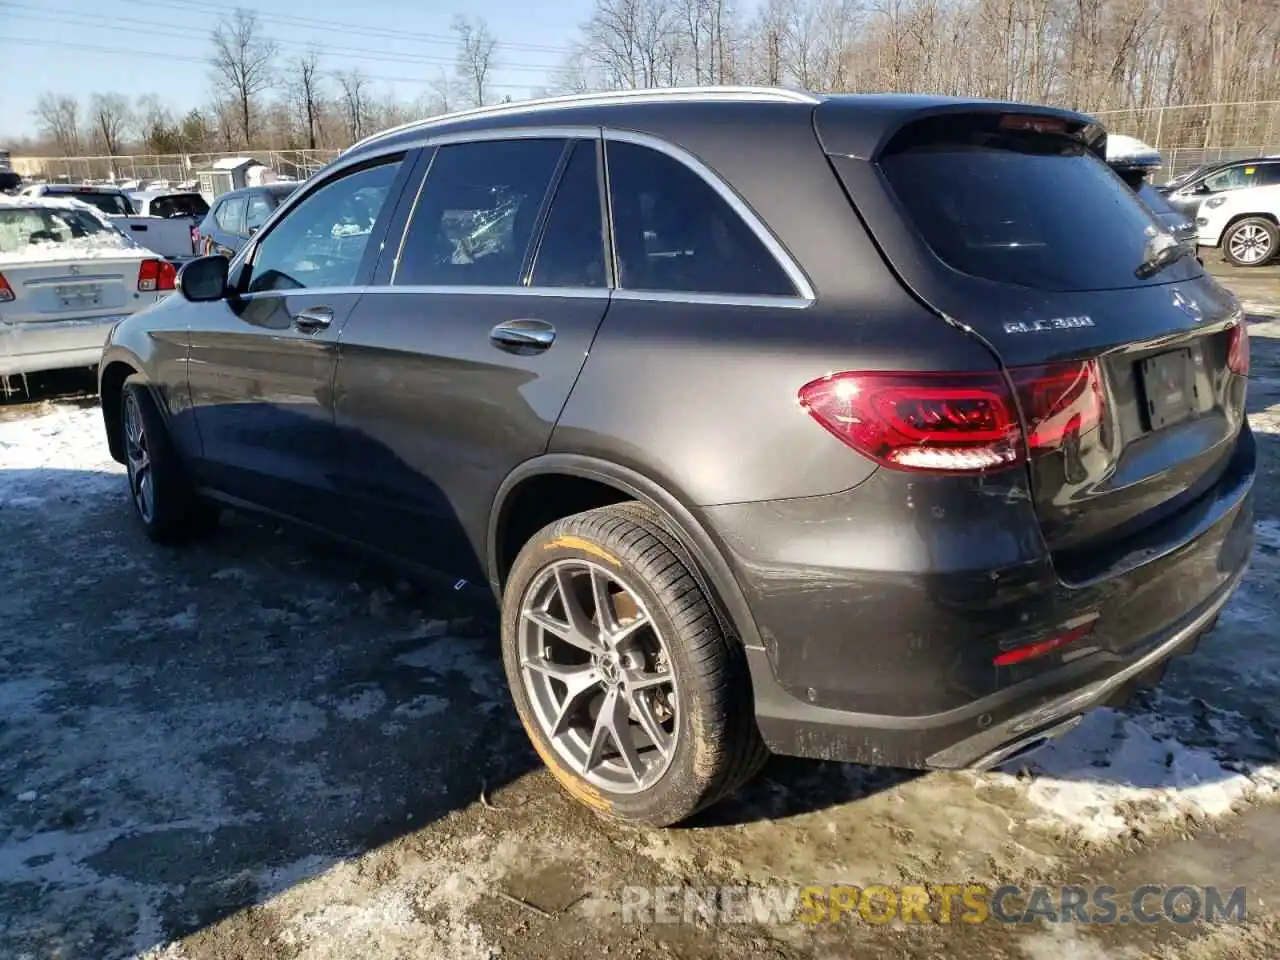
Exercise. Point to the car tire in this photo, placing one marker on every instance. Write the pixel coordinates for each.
(1250, 242)
(692, 736)
(162, 496)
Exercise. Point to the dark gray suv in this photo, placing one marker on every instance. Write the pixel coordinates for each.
(888, 429)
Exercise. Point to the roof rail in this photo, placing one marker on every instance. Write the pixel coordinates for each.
(646, 95)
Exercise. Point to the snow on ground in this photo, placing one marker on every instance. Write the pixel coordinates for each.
(260, 747)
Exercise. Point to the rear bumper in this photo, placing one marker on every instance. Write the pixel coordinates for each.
(888, 659)
(53, 345)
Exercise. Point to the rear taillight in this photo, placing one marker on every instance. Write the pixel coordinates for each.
(1030, 651)
(155, 275)
(1238, 349)
(957, 422)
(6, 291)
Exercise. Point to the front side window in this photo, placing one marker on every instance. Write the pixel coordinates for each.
(321, 241)
(230, 216)
(1234, 178)
(476, 213)
(259, 209)
(673, 232)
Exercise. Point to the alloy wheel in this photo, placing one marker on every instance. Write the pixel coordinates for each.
(138, 460)
(1250, 244)
(598, 674)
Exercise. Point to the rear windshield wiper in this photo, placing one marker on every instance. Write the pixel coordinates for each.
(1163, 253)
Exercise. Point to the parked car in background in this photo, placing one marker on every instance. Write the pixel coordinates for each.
(1136, 163)
(911, 484)
(170, 238)
(186, 206)
(1244, 224)
(66, 277)
(237, 215)
(1186, 195)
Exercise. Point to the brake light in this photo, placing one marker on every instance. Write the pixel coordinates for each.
(156, 275)
(957, 422)
(1039, 649)
(1237, 349)
(1025, 121)
(6, 291)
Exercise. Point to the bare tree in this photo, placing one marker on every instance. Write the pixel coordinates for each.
(110, 116)
(356, 102)
(476, 48)
(59, 119)
(305, 94)
(242, 65)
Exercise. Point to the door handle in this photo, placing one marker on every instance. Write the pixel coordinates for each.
(523, 336)
(313, 319)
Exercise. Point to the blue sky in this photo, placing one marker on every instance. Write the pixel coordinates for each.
(137, 47)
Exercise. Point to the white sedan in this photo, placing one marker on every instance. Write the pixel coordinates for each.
(67, 276)
(1243, 223)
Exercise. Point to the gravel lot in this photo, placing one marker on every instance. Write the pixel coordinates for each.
(262, 747)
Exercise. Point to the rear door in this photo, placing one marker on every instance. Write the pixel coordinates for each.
(454, 371)
(1012, 226)
(261, 362)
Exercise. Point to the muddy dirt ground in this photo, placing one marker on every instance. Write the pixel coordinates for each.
(263, 747)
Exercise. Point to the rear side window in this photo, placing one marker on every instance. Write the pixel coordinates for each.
(1032, 209)
(230, 216)
(476, 213)
(674, 233)
(571, 252)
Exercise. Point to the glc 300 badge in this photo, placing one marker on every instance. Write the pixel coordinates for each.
(1045, 326)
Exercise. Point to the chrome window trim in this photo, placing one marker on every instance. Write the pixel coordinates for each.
(716, 299)
(804, 289)
(565, 293)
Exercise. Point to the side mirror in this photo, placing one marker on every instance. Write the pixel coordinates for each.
(204, 279)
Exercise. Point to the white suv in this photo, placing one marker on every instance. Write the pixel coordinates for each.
(1243, 223)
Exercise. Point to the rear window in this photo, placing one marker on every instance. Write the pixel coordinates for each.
(22, 228)
(1027, 208)
(179, 205)
(110, 203)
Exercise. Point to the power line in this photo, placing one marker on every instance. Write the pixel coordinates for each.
(188, 33)
(334, 26)
(133, 54)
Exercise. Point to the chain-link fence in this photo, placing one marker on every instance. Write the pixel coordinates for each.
(175, 168)
(1186, 136)
(1190, 135)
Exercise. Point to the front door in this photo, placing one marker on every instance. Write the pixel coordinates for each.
(262, 361)
(456, 370)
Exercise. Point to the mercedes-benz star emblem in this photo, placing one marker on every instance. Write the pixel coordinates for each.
(1187, 305)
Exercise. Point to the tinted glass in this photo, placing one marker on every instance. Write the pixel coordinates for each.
(260, 208)
(476, 213)
(230, 215)
(1023, 208)
(321, 241)
(674, 232)
(571, 252)
(179, 205)
(109, 203)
